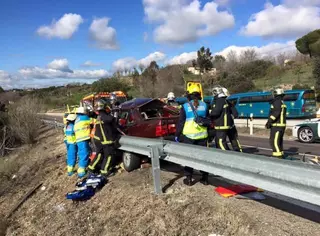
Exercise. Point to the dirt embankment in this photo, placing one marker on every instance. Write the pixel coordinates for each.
(126, 205)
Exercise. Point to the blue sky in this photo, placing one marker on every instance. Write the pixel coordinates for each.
(45, 43)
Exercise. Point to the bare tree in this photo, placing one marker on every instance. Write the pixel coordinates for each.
(232, 59)
(141, 68)
(281, 59)
(248, 55)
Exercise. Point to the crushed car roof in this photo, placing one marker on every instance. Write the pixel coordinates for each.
(137, 102)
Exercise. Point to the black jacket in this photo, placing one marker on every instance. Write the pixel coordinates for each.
(278, 112)
(221, 114)
(106, 128)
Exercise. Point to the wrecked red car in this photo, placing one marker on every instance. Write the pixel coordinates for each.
(148, 118)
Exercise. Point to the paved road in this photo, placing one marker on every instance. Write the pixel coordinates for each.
(261, 146)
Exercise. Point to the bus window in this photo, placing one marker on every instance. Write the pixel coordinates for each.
(263, 98)
(291, 97)
(244, 100)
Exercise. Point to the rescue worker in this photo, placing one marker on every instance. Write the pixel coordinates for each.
(104, 139)
(71, 143)
(191, 131)
(233, 132)
(221, 116)
(277, 122)
(82, 133)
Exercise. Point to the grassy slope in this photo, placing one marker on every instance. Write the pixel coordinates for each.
(288, 77)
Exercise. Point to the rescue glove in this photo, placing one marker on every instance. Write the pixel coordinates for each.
(176, 139)
(268, 125)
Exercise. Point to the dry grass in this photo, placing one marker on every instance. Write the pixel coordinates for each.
(24, 121)
(127, 205)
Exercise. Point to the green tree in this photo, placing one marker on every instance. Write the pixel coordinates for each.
(309, 44)
(204, 60)
(237, 83)
(1, 90)
(109, 85)
(316, 75)
(149, 80)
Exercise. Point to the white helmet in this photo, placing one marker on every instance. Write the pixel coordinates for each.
(71, 117)
(81, 110)
(217, 91)
(171, 96)
(226, 92)
(278, 92)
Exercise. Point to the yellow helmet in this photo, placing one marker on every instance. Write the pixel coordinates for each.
(195, 88)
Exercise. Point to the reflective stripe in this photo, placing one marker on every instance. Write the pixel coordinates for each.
(222, 127)
(272, 106)
(277, 154)
(278, 125)
(70, 168)
(272, 118)
(275, 142)
(81, 170)
(225, 105)
(221, 144)
(240, 148)
(93, 166)
(105, 170)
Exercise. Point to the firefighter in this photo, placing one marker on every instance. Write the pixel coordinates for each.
(82, 133)
(233, 132)
(71, 143)
(191, 131)
(221, 116)
(277, 122)
(104, 139)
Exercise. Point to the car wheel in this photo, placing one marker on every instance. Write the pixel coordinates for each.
(131, 161)
(306, 135)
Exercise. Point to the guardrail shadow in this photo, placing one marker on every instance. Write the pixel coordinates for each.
(218, 181)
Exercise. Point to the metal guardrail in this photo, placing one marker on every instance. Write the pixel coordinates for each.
(289, 178)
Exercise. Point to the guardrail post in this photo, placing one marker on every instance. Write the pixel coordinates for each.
(155, 160)
(251, 124)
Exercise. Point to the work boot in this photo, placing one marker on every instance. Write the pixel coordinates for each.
(204, 179)
(188, 180)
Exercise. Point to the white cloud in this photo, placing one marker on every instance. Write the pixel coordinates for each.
(5, 80)
(60, 64)
(283, 20)
(301, 2)
(182, 21)
(223, 2)
(129, 63)
(59, 68)
(271, 49)
(90, 64)
(103, 35)
(45, 73)
(64, 28)
(183, 58)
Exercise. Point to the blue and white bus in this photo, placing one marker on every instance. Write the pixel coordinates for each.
(300, 103)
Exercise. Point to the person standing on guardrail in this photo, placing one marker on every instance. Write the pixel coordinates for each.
(104, 140)
(277, 122)
(193, 132)
(221, 116)
(232, 133)
(82, 132)
(71, 143)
